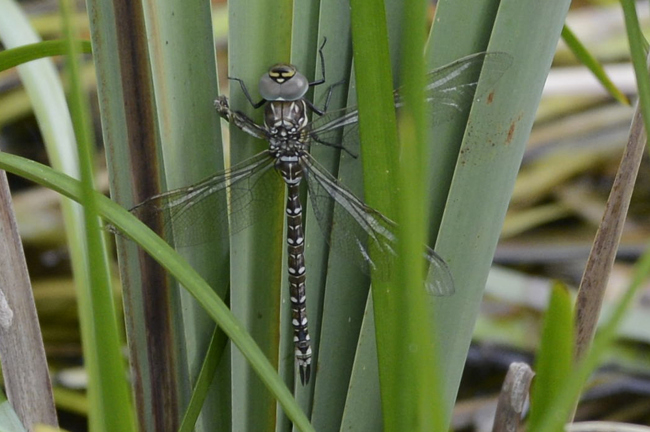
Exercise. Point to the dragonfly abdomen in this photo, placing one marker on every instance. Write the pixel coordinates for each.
(297, 292)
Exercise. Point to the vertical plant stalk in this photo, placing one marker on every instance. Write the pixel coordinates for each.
(24, 366)
(259, 35)
(130, 135)
(184, 75)
(111, 408)
(377, 125)
(603, 251)
(420, 384)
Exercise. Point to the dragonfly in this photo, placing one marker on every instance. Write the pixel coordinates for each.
(286, 127)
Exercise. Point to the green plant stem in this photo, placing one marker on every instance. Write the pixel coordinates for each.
(26, 53)
(637, 49)
(109, 392)
(377, 126)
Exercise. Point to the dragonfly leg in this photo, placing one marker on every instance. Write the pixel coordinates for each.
(334, 145)
(330, 90)
(239, 119)
(322, 65)
(255, 105)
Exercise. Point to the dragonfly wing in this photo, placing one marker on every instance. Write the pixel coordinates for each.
(358, 228)
(188, 214)
(338, 129)
(449, 91)
(439, 280)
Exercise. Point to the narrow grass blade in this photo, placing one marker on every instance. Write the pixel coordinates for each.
(346, 292)
(582, 54)
(377, 125)
(109, 391)
(555, 354)
(418, 393)
(204, 380)
(26, 53)
(638, 52)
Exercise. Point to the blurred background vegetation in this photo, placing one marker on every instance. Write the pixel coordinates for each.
(568, 170)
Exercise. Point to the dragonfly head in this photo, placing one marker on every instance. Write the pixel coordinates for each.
(283, 82)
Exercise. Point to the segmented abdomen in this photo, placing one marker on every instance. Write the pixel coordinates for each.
(297, 292)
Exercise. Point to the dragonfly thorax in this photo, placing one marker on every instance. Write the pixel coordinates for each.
(283, 82)
(286, 124)
(285, 118)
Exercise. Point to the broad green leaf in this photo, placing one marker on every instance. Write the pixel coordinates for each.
(259, 36)
(474, 167)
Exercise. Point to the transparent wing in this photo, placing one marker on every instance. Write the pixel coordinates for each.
(356, 227)
(449, 91)
(188, 214)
